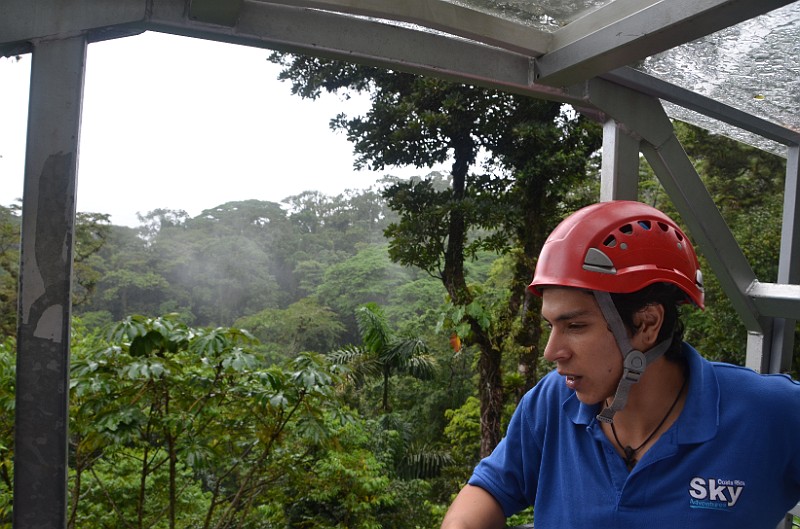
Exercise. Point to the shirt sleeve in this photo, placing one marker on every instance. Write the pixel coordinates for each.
(511, 472)
(792, 420)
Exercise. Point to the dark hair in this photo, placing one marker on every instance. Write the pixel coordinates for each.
(668, 296)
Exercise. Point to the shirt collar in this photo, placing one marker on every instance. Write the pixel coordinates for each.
(699, 419)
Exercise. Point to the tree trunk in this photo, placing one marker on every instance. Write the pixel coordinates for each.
(143, 485)
(524, 305)
(491, 395)
(386, 374)
(76, 491)
(490, 381)
(527, 307)
(173, 470)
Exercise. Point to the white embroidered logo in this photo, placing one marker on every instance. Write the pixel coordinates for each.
(713, 493)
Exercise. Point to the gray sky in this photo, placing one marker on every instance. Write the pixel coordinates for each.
(181, 123)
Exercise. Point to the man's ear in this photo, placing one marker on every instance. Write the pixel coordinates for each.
(648, 322)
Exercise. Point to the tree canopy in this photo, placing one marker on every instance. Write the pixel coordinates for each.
(533, 153)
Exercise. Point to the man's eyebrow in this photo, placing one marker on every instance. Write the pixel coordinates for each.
(570, 315)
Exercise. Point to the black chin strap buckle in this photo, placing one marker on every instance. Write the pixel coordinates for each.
(635, 362)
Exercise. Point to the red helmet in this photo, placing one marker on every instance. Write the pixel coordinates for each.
(619, 247)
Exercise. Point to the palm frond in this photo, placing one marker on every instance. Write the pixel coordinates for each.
(360, 363)
(422, 462)
(422, 367)
(411, 356)
(398, 352)
(349, 354)
(373, 327)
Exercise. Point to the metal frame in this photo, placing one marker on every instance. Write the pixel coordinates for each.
(622, 32)
(48, 219)
(580, 64)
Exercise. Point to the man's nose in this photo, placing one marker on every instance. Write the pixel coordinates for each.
(556, 349)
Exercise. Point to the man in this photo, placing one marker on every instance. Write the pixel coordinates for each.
(634, 428)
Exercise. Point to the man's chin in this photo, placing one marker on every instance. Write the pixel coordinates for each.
(589, 400)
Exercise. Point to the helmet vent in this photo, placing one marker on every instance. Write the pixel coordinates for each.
(645, 224)
(626, 229)
(663, 226)
(610, 241)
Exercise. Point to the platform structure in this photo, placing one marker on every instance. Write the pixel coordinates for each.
(633, 64)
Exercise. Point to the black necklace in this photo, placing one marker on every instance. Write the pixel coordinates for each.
(630, 453)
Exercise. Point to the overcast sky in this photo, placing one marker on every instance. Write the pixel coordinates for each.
(181, 123)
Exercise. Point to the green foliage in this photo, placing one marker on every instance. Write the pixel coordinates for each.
(463, 430)
(109, 498)
(419, 238)
(7, 404)
(177, 423)
(422, 461)
(303, 326)
(382, 353)
(9, 269)
(237, 259)
(350, 492)
(366, 277)
(91, 234)
(537, 155)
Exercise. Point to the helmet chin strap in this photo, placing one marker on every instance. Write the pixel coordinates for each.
(634, 360)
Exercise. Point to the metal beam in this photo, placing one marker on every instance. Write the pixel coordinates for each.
(619, 169)
(758, 352)
(365, 41)
(642, 116)
(625, 31)
(223, 13)
(48, 222)
(24, 21)
(647, 84)
(788, 264)
(776, 299)
(443, 16)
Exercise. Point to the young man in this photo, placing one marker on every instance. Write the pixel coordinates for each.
(634, 428)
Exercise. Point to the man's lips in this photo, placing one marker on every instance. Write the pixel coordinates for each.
(572, 381)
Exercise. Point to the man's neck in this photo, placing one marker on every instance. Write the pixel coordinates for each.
(654, 403)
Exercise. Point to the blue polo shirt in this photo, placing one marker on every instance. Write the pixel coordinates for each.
(732, 459)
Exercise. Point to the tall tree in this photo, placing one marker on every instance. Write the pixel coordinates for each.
(422, 121)
(383, 353)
